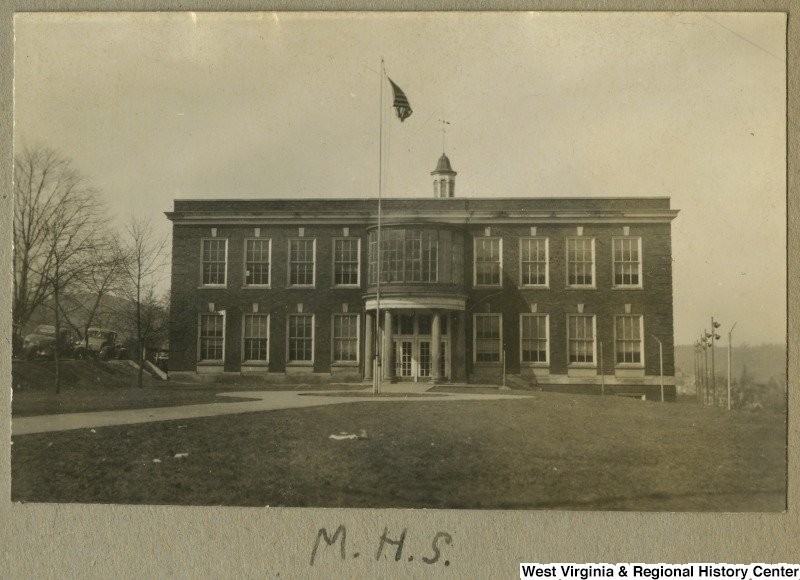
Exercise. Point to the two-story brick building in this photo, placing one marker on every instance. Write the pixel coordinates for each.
(567, 293)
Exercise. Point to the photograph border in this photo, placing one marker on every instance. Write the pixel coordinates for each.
(101, 540)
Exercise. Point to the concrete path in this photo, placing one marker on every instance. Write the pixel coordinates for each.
(263, 401)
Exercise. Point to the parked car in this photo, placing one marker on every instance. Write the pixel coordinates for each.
(102, 344)
(42, 344)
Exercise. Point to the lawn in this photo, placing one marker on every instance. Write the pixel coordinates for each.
(542, 451)
(111, 386)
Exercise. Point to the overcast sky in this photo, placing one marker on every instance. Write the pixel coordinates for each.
(690, 106)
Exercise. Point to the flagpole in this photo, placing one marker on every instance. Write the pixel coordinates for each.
(379, 355)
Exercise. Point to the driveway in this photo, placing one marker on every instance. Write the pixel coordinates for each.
(262, 401)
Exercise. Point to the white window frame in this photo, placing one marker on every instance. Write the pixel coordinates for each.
(301, 363)
(546, 284)
(289, 263)
(334, 360)
(592, 364)
(614, 263)
(244, 338)
(211, 361)
(202, 262)
(475, 338)
(594, 263)
(269, 268)
(333, 262)
(546, 362)
(475, 261)
(630, 365)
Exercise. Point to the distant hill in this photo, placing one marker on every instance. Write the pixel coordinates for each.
(764, 361)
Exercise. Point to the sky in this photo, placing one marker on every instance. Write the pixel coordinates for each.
(154, 107)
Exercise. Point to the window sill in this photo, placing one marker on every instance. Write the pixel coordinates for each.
(345, 363)
(616, 287)
(255, 363)
(301, 364)
(534, 286)
(256, 286)
(212, 286)
(579, 287)
(346, 286)
(210, 363)
(301, 287)
(536, 365)
(479, 286)
(487, 363)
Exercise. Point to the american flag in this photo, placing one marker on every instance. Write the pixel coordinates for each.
(401, 105)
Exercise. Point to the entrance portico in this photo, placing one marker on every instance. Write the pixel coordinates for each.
(420, 339)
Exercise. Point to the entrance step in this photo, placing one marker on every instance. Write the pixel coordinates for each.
(401, 387)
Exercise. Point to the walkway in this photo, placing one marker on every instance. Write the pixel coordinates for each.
(262, 401)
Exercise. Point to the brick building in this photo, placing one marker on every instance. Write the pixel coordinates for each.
(540, 286)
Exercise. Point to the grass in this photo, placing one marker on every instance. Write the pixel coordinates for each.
(111, 386)
(544, 450)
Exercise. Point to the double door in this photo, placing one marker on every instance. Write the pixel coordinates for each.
(413, 358)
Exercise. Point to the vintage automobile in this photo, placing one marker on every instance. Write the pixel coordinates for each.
(42, 344)
(101, 343)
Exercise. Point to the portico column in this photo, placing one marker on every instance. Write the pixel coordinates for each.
(459, 350)
(436, 344)
(388, 362)
(368, 344)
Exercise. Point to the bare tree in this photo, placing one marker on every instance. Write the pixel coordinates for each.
(147, 261)
(41, 183)
(104, 274)
(69, 240)
(55, 228)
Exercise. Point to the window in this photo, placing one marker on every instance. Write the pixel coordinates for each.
(301, 338)
(302, 253)
(580, 336)
(534, 337)
(628, 339)
(627, 261)
(212, 337)
(488, 258)
(215, 254)
(346, 261)
(580, 261)
(345, 337)
(257, 258)
(412, 255)
(487, 341)
(533, 257)
(256, 338)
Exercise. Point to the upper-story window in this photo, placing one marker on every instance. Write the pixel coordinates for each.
(215, 261)
(346, 261)
(580, 261)
(302, 257)
(488, 261)
(258, 254)
(533, 257)
(627, 261)
(412, 255)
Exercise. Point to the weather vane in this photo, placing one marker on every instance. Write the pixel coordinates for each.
(444, 132)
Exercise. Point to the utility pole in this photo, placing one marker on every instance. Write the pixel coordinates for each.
(660, 365)
(602, 374)
(705, 367)
(714, 337)
(730, 334)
